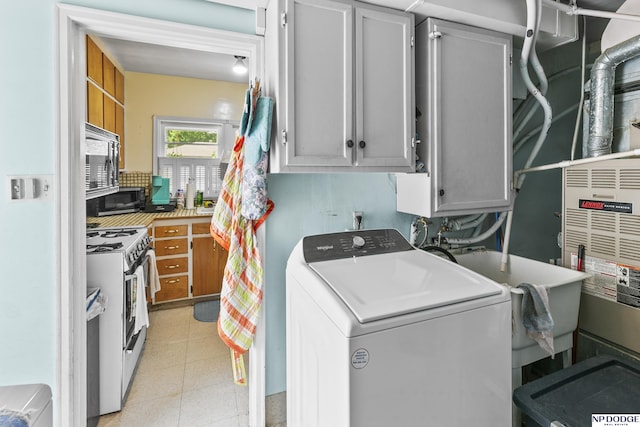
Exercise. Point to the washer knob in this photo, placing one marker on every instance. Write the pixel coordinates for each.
(358, 242)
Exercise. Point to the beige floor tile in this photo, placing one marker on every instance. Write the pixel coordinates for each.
(168, 332)
(162, 412)
(155, 384)
(110, 420)
(206, 348)
(162, 355)
(202, 330)
(206, 373)
(184, 378)
(207, 405)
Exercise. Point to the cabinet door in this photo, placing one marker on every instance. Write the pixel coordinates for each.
(319, 74)
(109, 112)
(384, 89)
(467, 104)
(95, 105)
(208, 264)
(108, 76)
(119, 86)
(94, 61)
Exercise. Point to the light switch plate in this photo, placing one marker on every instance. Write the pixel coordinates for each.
(30, 187)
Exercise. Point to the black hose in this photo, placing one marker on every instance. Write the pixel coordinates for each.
(439, 249)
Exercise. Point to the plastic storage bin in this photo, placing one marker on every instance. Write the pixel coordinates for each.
(600, 385)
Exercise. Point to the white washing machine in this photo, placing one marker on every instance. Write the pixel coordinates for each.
(382, 334)
(26, 405)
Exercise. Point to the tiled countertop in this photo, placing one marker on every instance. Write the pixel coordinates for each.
(144, 219)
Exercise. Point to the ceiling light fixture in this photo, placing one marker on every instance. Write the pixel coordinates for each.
(240, 67)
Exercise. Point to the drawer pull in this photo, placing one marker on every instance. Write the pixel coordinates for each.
(172, 247)
(171, 282)
(172, 266)
(171, 231)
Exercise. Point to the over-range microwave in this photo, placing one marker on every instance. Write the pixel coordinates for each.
(102, 161)
(125, 200)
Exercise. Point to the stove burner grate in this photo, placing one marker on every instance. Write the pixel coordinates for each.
(118, 233)
(104, 247)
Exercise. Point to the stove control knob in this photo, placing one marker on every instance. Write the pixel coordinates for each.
(358, 242)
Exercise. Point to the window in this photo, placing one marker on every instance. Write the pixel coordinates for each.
(186, 148)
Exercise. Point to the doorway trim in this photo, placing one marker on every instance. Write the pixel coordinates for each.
(73, 23)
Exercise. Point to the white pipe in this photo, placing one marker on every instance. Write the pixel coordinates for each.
(567, 163)
(473, 223)
(575, 10)
(533, 56)
(481, 237)
(532, 6)
(467, 219)
(579, 116)
(521, 142)
(505, 245)
(521, 124)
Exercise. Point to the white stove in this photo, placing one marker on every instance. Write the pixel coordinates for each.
(133, 241)
(117, 261)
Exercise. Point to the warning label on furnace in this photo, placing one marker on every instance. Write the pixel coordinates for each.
(610, 280)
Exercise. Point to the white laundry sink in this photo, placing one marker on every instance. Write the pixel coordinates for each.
(563, 286)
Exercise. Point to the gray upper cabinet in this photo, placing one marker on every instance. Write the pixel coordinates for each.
(463, 92)
(342, 77)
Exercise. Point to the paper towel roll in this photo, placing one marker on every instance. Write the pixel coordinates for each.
(191, 194)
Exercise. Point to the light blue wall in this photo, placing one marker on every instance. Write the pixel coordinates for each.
(307, 204)
(27, 119)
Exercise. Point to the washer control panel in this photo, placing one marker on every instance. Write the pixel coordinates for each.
(326, 247)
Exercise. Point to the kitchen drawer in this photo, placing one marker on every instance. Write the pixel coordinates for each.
(174, 287)
(171, 247)
(170, 231)
(201, 228)
(172, 265)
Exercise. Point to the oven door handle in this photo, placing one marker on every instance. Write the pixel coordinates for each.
(129, 277)
(132, 343)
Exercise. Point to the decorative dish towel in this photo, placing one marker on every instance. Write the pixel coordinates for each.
(536, 316)
(241, 295)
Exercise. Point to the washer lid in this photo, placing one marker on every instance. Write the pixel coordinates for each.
(382, 286)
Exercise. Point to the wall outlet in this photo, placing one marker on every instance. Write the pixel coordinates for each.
(358, 217)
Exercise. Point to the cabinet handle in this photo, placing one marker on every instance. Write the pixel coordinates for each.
(171, 231)
(172, 266)
(171, 282)
(172, 247)
(350, 143)
(362, 144)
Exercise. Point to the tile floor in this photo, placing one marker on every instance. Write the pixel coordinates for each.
(184, 378)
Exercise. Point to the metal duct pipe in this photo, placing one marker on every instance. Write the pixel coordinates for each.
(601, 93)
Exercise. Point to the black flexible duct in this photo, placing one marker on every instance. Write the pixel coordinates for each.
(441, 250)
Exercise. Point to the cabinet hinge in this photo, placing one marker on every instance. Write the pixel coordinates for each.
(283, 19)
(413, 41)
(413, 143)
(284, 136)
(510, 60)
(435, 35)
(191, 245)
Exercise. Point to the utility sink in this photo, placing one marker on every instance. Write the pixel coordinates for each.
(563, 286)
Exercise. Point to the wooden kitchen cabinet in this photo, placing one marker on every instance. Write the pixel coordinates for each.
(190, 264)
(350, 108)
(95, 105)
(105, 94)
(109, 114)
(209, 260)
(94, 62)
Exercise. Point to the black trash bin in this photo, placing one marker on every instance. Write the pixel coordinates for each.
(570, 397)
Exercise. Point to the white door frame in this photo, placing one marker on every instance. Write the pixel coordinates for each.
(73, 24)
